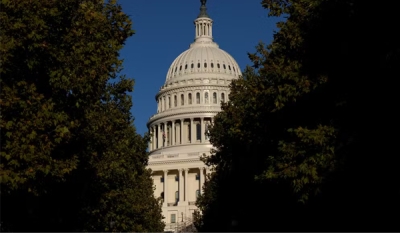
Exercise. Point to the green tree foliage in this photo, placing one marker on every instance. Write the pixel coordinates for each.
(304, 141)
(71, 159)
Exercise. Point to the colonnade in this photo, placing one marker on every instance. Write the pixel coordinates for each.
(179, 132)
(204, 28)
(183, 189)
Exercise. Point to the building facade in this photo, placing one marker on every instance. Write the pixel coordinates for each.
(196, 84)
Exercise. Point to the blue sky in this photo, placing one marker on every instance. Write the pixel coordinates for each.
(164, 29)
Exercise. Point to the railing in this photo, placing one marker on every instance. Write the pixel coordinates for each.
(173, 156)
(173, 204)
(176, 156)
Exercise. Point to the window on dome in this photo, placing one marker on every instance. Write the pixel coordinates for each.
(180, 67)
(175, 101)
(189, 134)
(173, 218)
(214, 97)
(218, 65)
(190, 98)
(223, 97)
(198, 132)
(206, 97)
(176, 68)
(169, 102)
(205, 65)
(198, 65)
(185, 66)
(212, 65)
(182, 99)
(176, 196)
(224, 66)
(229, 67)
(233, 68)
(192, 66)
(197, 98)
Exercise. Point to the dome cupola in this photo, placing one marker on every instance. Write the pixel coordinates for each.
(204, 57)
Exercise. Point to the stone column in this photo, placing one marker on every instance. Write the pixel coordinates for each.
(173, 132)
(181, 185)
(159, 141)
(165, 133)
(192, 131)
(167, 105)
(154, 137)
(182, 136)
(201, 179)
(165, 204)
(186, 184)
(202, 127)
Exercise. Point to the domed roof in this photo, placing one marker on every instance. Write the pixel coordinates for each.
(204, 55)
(203, 58)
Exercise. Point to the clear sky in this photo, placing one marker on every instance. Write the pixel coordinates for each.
(164, 29)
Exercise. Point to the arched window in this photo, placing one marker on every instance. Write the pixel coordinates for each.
(169, 102)
(205, 65)
(218, 65)
(175, 101)
(190, 98)
(197, 98)
(206, 98)
(180, 67)
(198, 65)
(176, 196)
(182, 99)
(229, 66)
(212, 65)
(192, 65)
(185, 66)
(223, 97)
(224, 66)
(198, 132)
(214, 97)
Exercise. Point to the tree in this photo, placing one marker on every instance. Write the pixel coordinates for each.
(293, 135)
(71, 159)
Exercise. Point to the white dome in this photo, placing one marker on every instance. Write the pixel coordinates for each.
(203, 57)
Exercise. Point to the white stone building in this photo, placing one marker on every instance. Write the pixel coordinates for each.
(196, 84)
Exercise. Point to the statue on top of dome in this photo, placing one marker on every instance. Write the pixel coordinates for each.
(203, 10)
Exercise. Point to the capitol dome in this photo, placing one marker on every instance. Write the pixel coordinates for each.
(203, 57)
(197, 83)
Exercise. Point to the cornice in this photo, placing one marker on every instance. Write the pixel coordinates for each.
(161, 115)
(162, 162)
